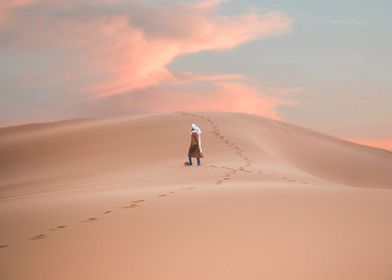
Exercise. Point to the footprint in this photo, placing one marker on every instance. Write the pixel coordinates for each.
(3, 246)
(138, 201)
(162, 195)
(39, 236)
(58, 227)
(132, 205)
(106, 212)
(91, 219)
(171, 192)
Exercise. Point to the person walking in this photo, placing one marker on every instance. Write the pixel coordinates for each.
(195, 150)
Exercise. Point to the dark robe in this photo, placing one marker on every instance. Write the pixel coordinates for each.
(194, 148)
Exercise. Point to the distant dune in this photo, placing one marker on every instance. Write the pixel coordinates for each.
(112, 199)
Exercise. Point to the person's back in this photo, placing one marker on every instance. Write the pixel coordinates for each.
(195, 146)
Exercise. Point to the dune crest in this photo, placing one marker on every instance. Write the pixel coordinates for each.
(34, 154)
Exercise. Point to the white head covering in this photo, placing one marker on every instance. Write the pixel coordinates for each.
(196, 129)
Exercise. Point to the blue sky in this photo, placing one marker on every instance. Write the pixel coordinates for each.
(337, 51)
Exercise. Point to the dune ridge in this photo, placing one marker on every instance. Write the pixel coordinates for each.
(80, 147)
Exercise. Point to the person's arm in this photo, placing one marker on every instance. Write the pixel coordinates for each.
(199, 142)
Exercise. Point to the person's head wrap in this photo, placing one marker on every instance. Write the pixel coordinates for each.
(196, 129)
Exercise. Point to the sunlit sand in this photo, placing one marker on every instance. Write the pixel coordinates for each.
(112, 199)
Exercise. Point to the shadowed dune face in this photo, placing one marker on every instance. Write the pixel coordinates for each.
(112, 199)
(36, 154)
(82, 148)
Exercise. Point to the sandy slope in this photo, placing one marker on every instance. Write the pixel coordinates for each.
(111, 199)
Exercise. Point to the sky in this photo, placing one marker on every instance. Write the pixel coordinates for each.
(325, 65)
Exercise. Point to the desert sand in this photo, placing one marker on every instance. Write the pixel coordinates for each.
(111, 199)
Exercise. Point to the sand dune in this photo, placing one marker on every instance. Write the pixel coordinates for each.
(111, 199)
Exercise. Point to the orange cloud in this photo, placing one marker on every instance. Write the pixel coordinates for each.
(385, 144)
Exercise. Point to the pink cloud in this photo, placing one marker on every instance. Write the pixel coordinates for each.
(219, 95)
(6, 8)
(385, 144)
(130, 48)
(142, 60)
(111, 48)
(236, 97)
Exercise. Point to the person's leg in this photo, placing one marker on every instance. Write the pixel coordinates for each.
(198, 161)
(190, 160)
